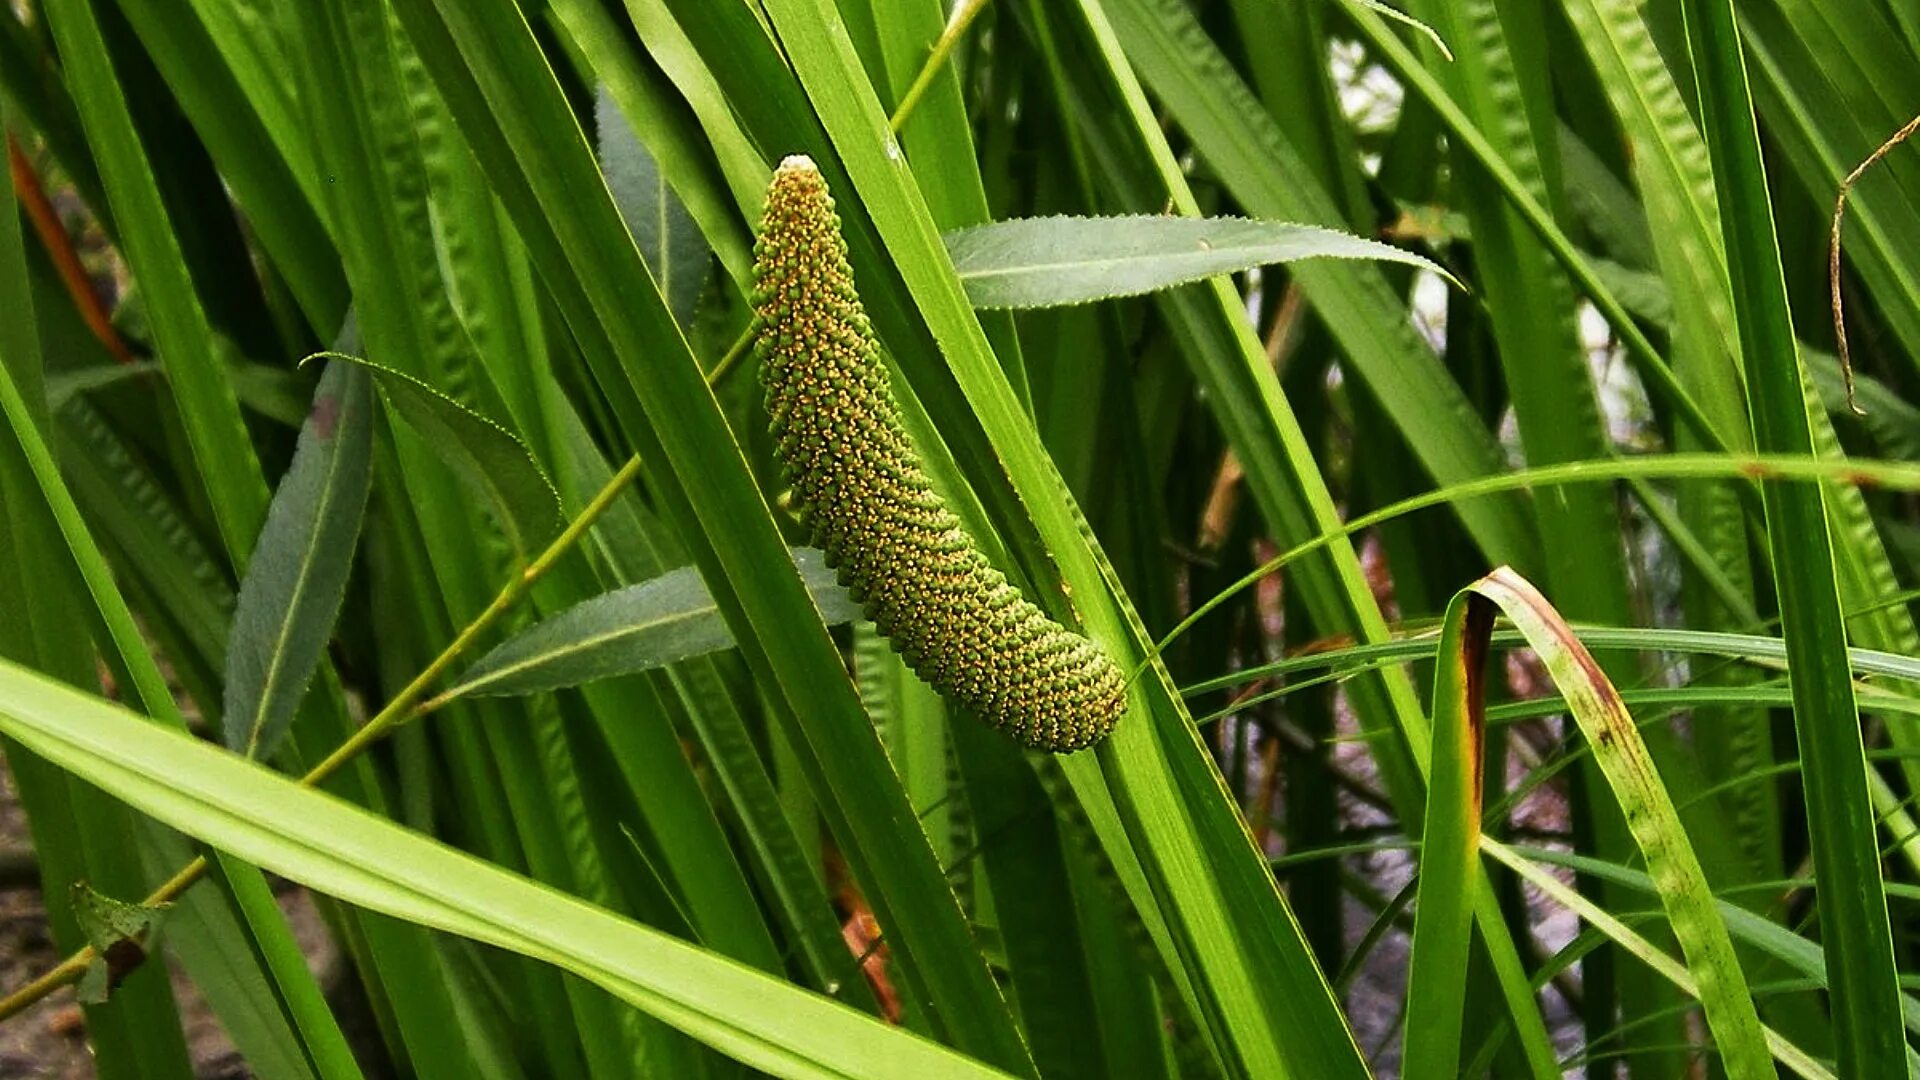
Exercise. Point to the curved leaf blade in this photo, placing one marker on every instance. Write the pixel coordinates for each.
(654, 623)
(488, 457)
(1449, 844)
(344, 851)
(1062, 260)
(298, 574)
(1650, 816)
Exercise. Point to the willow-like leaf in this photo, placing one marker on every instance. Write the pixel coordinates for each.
(632, 629)
(1062, 260)
(298, 574)
(668, 237)
(487, 456)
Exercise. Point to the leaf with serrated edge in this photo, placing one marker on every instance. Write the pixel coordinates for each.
(298, 574)
(657, 622)
(1056, 261)
(486, 456)
(121, 934)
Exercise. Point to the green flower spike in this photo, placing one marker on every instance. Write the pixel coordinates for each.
(867, 502)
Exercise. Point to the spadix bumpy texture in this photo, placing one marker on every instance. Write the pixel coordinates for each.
(864, 497)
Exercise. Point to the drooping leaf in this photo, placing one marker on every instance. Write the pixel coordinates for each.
(668, 237)
(491, 459)
(344, 851)
(298, 575)
(657, 622)
(121, 934)
(1650, 816)
(1060, 260)
(1449, 843)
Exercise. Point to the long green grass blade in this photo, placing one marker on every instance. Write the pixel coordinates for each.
(1650, 816)
(1449, 845)
(1853, 903)
(360, 858)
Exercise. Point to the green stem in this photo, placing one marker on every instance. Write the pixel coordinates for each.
(963, 17)
(732, 360)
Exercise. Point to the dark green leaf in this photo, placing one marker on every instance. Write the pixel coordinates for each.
(298, 575)
(487, 456)
(672, 617)
(666, 233)
(1854, 925)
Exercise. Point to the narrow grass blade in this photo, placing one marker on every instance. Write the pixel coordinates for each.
(1650, 816)
(226, 464)
(1676, 973)
(365, 860)
(1852, 899)
(1449, 844)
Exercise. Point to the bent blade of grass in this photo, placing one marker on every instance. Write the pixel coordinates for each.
(1651, 818)
(1779, 1048)
(1449, 844)
(1890, 475)
(346, 852)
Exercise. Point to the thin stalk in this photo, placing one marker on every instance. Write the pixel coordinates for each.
(1893, 476)
(1833, 256)
(734, 352)
(963, 17)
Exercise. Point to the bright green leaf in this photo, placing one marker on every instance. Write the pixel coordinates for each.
(344, 851)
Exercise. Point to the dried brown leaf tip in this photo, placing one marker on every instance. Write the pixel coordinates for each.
(866, 500)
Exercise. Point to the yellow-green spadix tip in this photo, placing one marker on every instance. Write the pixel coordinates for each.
(865, 497)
